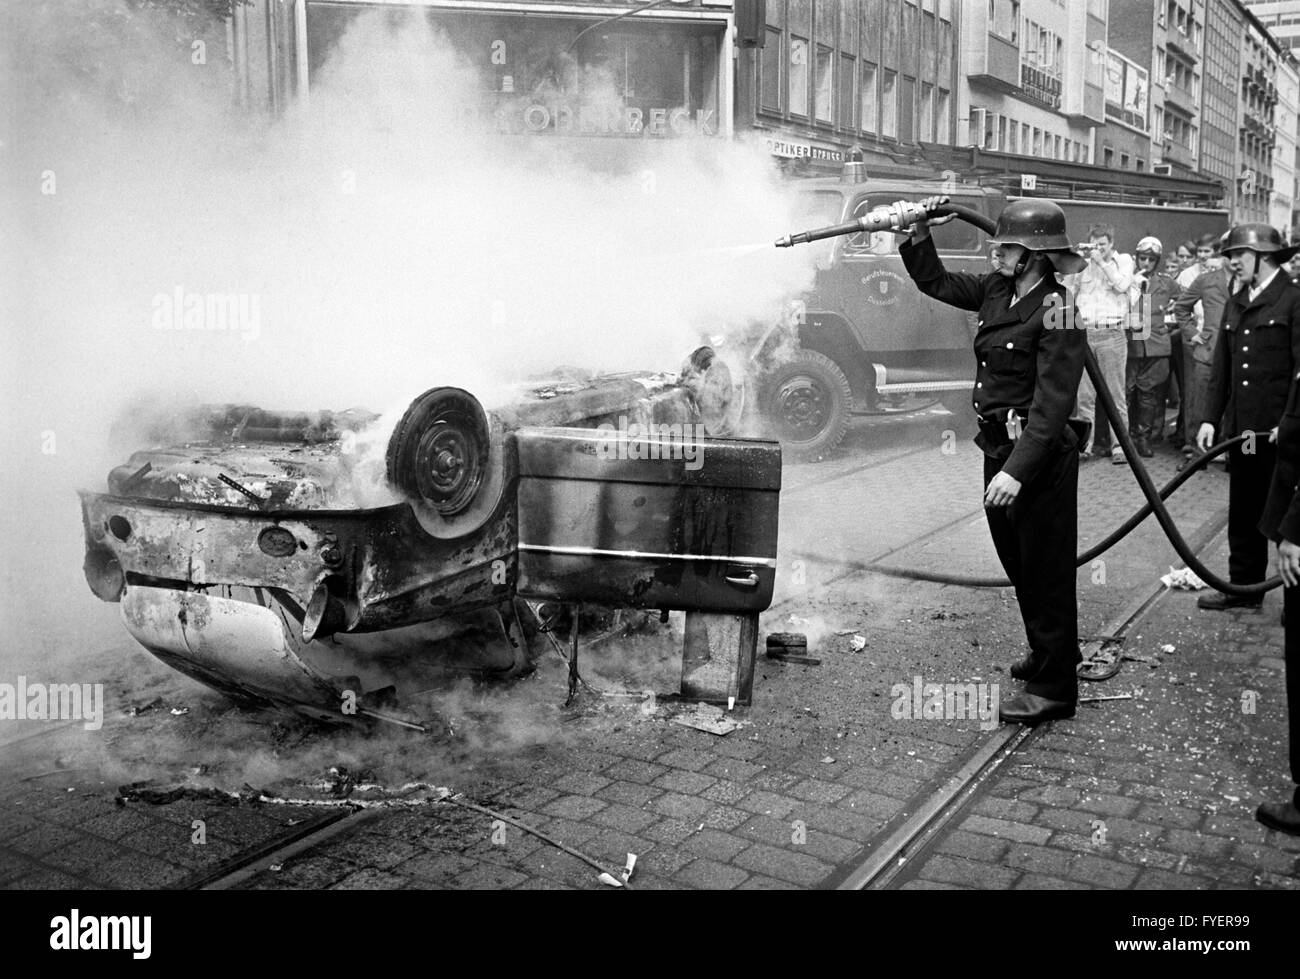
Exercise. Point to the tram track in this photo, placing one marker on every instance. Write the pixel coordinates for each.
(914, 835)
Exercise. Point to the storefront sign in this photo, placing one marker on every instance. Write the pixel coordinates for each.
(793, 149)
(608, 120)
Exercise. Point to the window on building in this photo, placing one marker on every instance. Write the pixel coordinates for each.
(925, 119)
(907, 110)
(825, 79)
(769, 70)
(942, 115)
(1140, 165)
(1123, 161)
(889, 104)
(799, 69)
(1038, 142)
(1012, 145)
(869, 99)
(846, 107)
(1108, 156)
(1004, 19)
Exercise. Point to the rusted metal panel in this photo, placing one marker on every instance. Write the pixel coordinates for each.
(695, 527)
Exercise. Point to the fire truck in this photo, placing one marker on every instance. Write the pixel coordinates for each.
(865, 341)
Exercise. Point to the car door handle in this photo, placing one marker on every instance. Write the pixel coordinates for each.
(743, 579)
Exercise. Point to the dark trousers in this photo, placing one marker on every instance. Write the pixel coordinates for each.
(1145, 379)
(1179, 382)
(1249, 476)
(1291, 605)
(1036, 538)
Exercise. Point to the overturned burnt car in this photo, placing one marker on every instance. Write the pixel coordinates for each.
(247, 550)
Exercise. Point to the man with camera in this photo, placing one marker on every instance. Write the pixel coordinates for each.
(1102, 306)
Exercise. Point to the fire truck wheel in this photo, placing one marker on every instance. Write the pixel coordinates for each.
(806, 405)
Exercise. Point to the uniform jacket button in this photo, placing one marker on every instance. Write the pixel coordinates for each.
(1245, 383)
(1010, 345)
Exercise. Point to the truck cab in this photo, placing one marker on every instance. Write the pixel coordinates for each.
(865, 339)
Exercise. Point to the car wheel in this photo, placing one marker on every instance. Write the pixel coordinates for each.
(806, 405)
(445, 456)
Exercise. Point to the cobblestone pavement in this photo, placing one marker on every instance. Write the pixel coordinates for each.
(821, 767)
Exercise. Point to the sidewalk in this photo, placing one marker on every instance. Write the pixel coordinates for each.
(1154, 792)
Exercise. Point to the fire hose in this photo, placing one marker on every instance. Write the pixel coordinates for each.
(903, 213)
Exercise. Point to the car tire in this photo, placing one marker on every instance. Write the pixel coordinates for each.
(806, 404)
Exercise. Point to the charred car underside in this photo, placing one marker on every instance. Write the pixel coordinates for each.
(256, 553)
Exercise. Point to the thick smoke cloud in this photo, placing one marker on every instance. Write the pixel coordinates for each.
(375, 243)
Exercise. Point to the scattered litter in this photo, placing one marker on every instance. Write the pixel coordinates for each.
(139, 709)
(1233, 798)
(178, 711)
(707, 718)
(1183, 578)
(1109, 696)
(859, 643)
(792, 658)
(1134, 657)
(798, 621)
(787, 640)
(277, 867)
(629, 867)
(844, 632)
(828, 760)
(1167, 648)
(605, 878)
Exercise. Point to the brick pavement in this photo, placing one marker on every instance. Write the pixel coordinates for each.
(821, 767)
(1157, 792)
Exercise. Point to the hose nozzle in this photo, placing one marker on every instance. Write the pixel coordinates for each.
(893, 216)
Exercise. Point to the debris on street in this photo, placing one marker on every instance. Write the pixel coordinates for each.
(707, 718)
(1184, 578)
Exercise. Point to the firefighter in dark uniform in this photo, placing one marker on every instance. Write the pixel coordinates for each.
(1256, 355)
(1281, 524)
(1030, 360)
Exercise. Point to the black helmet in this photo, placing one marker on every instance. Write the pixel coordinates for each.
(1039, 226)
(1262, 238)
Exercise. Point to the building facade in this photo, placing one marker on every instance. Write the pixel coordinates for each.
(1033, 78)
(543, 68)
(836, 75)
(1257, 117)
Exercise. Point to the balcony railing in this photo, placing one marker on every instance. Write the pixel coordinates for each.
(1001, 68)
